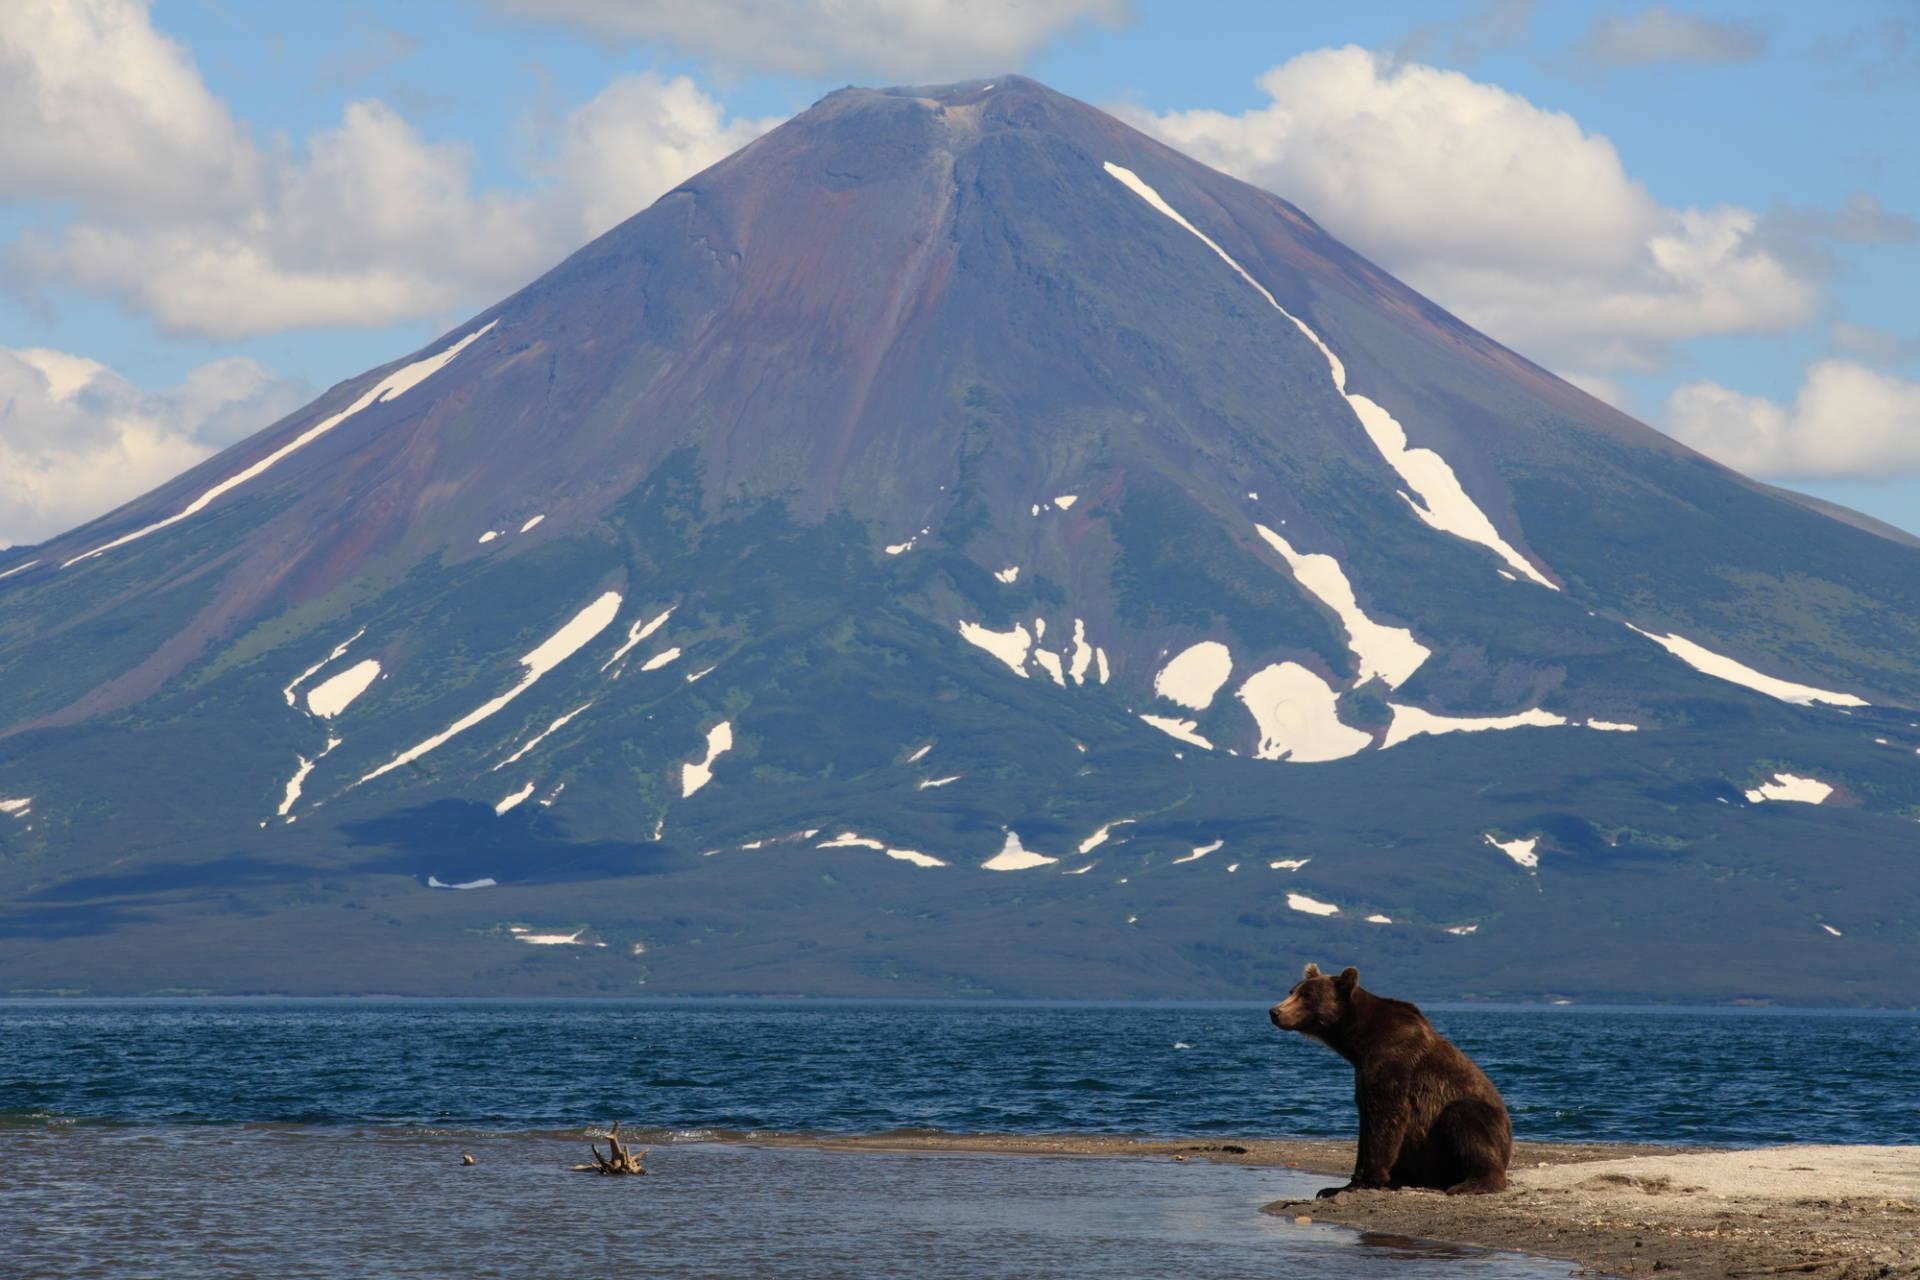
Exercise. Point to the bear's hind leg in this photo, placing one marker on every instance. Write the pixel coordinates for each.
(1478, 1138)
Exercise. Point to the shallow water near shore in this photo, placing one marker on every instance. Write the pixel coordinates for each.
(1661, 1076)
(334, 1201)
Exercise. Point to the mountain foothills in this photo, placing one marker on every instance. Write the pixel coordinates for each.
(959, 546)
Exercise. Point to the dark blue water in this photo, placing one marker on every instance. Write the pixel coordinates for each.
(1580, 1075)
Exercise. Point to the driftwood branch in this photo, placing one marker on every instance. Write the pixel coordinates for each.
(619, 1159)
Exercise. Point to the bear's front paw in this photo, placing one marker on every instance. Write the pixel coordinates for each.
(1327, 1193)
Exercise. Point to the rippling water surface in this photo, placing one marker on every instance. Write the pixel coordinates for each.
(1600, 1075)
(296, 1139)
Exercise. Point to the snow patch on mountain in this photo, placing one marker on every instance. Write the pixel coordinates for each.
(1388, 652)
(542, 736)
(1411, 722)
(1008, 575)
(550, 653)
(339, 651)
(532, 524)
(1185, 730)
(1014, 857)
(696, 774)
(18, 807)
(1008, 646)
(488, 882)
(1311, 906)
(1719, 665)
(395, 384)
(1099, 837)
(19, 568)
(1791, 787)
(1447, 507)
(1521, 851)
(1199, 851)
(298, 782)
(334, 695)
(1297, 714)
(1195, 675)
(638, 631)
(660, 660)
(512, 800)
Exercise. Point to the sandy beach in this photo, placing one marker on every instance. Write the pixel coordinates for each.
(1828, 1212)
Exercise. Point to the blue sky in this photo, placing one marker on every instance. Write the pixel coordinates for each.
(212, 209)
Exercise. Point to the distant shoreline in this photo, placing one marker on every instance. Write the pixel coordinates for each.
(1828, 1212)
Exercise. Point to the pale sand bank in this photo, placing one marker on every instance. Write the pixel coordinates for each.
(1828, 1212)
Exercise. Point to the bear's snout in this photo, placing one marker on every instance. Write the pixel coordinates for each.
(1286, 1014)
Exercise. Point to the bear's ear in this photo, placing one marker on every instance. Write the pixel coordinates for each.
(1349, 979)
(1311, 971)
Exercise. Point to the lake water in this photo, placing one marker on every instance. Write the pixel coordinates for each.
(322, 1138)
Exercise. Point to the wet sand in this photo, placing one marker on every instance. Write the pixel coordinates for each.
(1826, 1212)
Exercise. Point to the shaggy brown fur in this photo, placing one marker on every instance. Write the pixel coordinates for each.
(1428, 1116)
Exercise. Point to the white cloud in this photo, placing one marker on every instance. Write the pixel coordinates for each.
(906, 38)
(1658, 34)
(98, 105)
(1846, 422)
(365, 224)
(76, 439)
(640, 136)
(1509, 214)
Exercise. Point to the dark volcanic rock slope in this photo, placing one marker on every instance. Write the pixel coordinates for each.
(957, 544)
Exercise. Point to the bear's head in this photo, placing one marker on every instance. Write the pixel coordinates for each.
(1317, 1004)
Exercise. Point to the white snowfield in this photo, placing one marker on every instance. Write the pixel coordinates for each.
(338, 652)
(1195, 675)
(1312, 906)
(1835, 932)
(1199, 851)
(1388, 652)
(335, 694)
(435, 882)
(22, 568)
(1099, 837)
(1442, 504)
(928, 784)
(1705, 660)
(540, 737)
(1791, 787)
(19, 807)
(1612, 726)
(1521, 851)
(512, 801)
(1411, 722)
(660, 660)
(1018, 646)
(1288, 864)
(298, 781)
(638, 631)
(533, 524)
(1379, 919)
(915, 857)
(523, 934)
(1066, 500)
(696, 774)
(1295, 711)
(1013, 857)
(1185, 730)
(551, 652)
(394, 384)
(1464, 930)
(1008, 646)
(1008, 575)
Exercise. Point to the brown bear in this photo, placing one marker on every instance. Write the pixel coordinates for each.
(1428, 1116)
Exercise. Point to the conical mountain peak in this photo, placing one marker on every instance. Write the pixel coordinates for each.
(958, 495)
